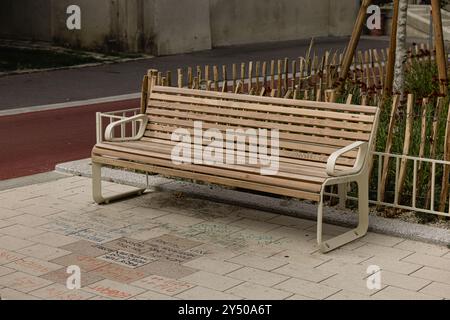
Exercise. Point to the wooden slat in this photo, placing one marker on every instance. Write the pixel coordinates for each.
(360, 136)
(268, 100)
(227, 104)
(208, 178)
(187, 111)
(305, 183)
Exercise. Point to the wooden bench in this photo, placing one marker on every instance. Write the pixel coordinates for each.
(320, 144)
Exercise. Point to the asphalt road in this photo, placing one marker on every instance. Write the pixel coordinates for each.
(35, 142)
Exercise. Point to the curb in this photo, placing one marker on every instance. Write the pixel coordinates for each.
(290, 207)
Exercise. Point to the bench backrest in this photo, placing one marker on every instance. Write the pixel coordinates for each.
(308, 130)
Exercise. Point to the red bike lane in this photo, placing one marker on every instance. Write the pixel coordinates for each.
(35, 142)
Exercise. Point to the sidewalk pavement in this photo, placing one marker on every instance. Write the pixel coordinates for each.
(59, 86)
(167, 245)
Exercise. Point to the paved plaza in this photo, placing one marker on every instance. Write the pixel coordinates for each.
(167, 245)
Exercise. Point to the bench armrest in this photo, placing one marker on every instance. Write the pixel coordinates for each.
(109, 132)
(359, 162)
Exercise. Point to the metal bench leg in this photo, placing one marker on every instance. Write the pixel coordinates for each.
(97, 187)
(363, 222)
(342, 193)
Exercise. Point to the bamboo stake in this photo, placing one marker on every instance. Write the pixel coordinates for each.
(264, 74)
(391, 55)
(388, 147)
(144, 94)
(445, 175)
(234, 75)
(407, 142)
(242, 74)
(250, 77)
(433, 144)
(190, 79)
(286, 73)
(180, 77)
(272, 74)
(280, 78)
(216, 78)
(441, 58)
(225, 79)
(351, 47)
(257, 69)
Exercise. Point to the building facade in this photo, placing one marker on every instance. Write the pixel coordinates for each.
(162, 27)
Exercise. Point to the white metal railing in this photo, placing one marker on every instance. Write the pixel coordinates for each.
(105, 118)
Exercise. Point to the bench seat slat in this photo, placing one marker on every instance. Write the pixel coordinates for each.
(267, 100)
(285, 166)
(273, 120)
(208, 178)
(166, 131)
(320, 132)
(227, 107)
(305, 183)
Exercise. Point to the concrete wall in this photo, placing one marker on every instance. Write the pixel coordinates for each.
(172, 26)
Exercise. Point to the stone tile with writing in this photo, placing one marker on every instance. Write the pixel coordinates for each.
(96, 236)
(129, 245)
(60, 276)
(86, 263)
(33, 266)
(174, 241)
(160, 249)
(127, 259)
(163, 285)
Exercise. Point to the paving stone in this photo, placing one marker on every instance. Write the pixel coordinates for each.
(178, 242)
(303, 272)
(33, 266)
(440, 290)
(392, 265)
(403, 281)
(23, 282)
(114, 290)
(8, 213)
(202, 293)
(393, 293)
(43, 252)
(5, 270)
(53, 239)
(148, 234)
(163, 285)
(151, 295)
(306, 288)
(292, 222)
(254, 214)
(126, 259)
(178, 220)
(427, 260)
(6, 223)
(348, 295)
(377, 250)
(11, 294)
(28, 220)
(118, 273)
(96, 236)
(40, 210)
(422, 247)
(87, 248)
(342, 254)
(299, 297)
(257, 262)
(382, 239)
(59, 292)
(167, 269)
(253, 275)
(214, 252)
(351, 283)
(174, 251)
(129, 245)
(7, 256)
(345, 269)
(20, 231)
(433, 274)
(259, 226)
(295, 257)
(85, 263)
(212, 265)
(257, 292)
(13, 243)
(211, 280)
(60, 276)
